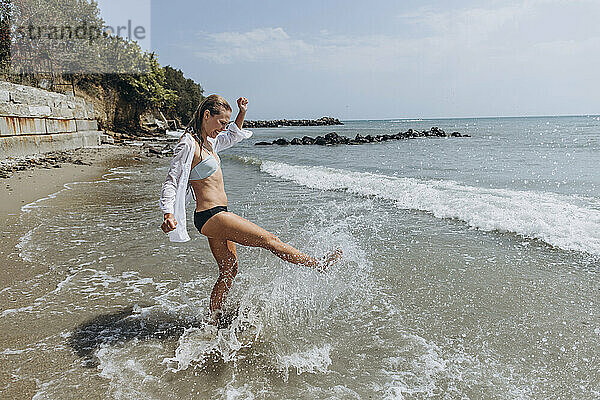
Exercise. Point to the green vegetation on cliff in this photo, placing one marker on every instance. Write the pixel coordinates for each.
(4, 37)
(189, 95)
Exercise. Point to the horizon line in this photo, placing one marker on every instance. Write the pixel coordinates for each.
(473, 117)
(435, 118)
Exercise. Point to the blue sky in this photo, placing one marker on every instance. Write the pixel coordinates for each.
(387, 59)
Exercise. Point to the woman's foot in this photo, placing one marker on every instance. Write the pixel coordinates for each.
(329, 260)
(222, 319)
(214, 317)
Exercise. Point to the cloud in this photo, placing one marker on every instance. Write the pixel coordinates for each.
(264, 44)
(456, 41)
(478, 24)
(473, 22)
(321, 51)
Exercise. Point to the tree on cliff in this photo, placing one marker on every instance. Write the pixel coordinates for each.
(189, 95)
(4, 37)
(149, 89)
(66, 37)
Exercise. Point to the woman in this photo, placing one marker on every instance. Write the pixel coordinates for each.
(196, 165)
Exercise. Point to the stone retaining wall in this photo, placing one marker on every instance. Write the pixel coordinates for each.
(34, 120)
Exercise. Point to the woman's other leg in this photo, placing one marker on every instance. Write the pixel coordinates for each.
(229, 226)
(226, 257)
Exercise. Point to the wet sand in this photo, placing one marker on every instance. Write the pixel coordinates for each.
(24, 187)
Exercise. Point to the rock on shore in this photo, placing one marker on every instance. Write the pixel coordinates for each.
(145, 146)
(333, 138)
(292, 122)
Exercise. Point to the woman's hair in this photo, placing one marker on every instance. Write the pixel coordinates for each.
(213, 103)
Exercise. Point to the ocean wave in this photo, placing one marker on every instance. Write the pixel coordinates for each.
(569, 222)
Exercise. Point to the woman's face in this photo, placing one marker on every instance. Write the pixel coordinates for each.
(215, 124)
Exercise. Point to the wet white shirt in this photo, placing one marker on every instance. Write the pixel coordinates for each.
(176, 190)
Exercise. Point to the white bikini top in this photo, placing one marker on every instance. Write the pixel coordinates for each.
(204, 168)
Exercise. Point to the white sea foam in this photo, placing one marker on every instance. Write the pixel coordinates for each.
(312, 360)
(16, 310)
(129, 375)
(35, 204)
(11, 352)
(568, 222)
(25, 252)
(423, 369)
(232, 392)
(197, 344)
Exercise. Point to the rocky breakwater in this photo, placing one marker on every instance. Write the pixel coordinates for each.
(333, 138)
(323, 121)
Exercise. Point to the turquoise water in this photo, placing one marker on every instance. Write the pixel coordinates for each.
(470, 270)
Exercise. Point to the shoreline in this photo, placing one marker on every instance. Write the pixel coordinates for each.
(26, 186)
(43, 178)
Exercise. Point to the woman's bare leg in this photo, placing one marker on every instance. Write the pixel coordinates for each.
(226, 257)
(229, 226)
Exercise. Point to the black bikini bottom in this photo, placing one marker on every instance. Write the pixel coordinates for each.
(200, 217)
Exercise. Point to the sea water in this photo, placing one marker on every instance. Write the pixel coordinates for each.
(471, 269)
